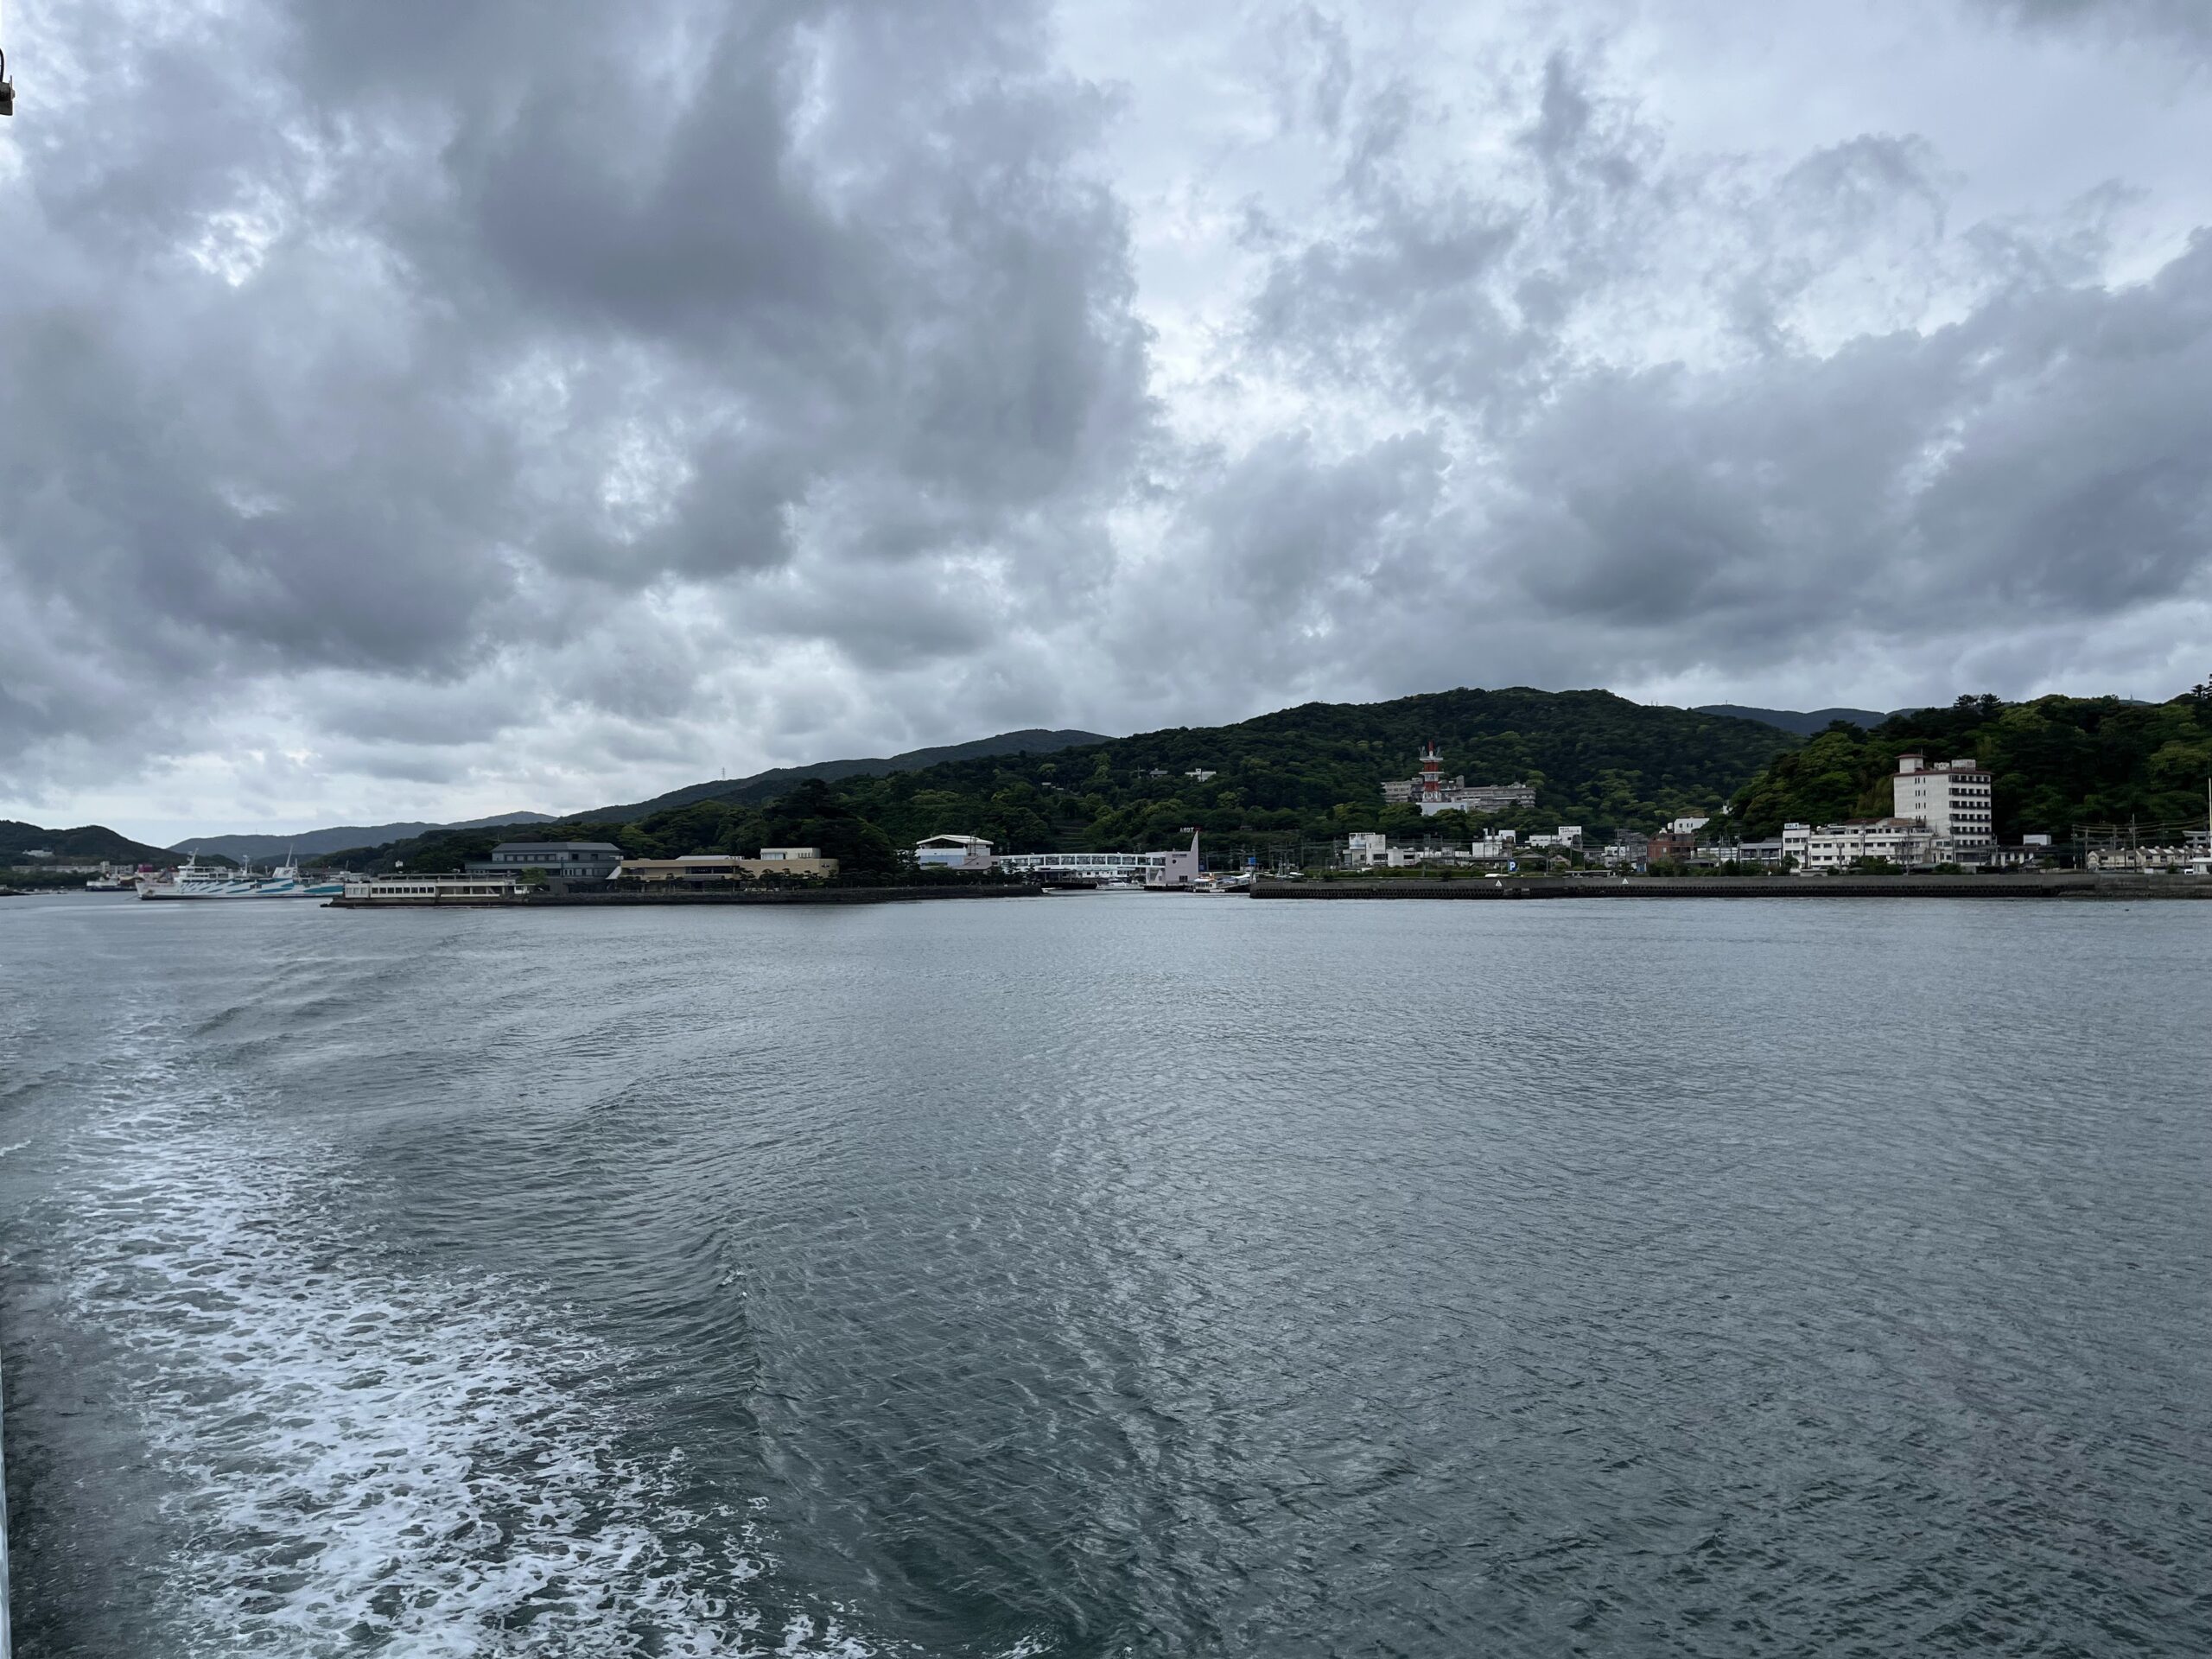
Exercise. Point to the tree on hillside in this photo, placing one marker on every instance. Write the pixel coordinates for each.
(815, 815)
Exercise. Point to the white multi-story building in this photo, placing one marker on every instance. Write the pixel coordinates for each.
(1950, 798)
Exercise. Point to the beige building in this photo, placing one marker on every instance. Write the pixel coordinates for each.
(716, 867)
(1951, 798)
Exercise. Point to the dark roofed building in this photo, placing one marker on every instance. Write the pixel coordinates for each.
(565, 861)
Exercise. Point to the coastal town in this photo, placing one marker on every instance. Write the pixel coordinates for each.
(1941, 824)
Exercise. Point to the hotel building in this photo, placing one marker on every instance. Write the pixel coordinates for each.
(1950, 797)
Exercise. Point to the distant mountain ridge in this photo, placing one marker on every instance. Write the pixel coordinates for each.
(1804, 723)
(312, 841)
(767, 785)
(86, 840)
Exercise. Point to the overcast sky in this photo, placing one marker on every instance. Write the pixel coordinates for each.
(426, 409)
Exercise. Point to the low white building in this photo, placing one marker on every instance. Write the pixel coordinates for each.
(1365, 849)
(1103, 865)
(1830, 846)
(400, 888)
(953, 853)
(1568, 835)
(1481, 799)
(1429, 855)
(1177, 869)
(2189, 856)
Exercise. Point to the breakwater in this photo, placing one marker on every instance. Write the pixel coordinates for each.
(790, 896)
(2042, 884)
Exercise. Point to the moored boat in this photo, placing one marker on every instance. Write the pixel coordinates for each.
(193, 879)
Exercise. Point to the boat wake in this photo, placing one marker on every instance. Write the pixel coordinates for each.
(364, 1455)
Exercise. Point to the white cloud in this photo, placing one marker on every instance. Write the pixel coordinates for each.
(476, 415)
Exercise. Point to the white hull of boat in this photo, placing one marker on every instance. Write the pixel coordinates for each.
(198, 880)
(250, 890)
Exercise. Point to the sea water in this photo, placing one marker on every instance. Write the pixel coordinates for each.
(1108, 1276)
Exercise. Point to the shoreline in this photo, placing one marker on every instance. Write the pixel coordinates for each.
(2050, 884)
(795, 896)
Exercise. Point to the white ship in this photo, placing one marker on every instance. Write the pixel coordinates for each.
(193, 880)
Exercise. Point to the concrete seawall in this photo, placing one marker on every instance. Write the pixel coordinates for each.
(793, 896)
(2053, 884)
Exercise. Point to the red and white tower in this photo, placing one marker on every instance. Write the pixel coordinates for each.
(1432, 784)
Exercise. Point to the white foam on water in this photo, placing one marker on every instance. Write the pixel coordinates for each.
(367, 1457)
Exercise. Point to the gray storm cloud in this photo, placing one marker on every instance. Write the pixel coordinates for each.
(502, 391)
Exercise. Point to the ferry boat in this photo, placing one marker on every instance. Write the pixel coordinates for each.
(193, 879)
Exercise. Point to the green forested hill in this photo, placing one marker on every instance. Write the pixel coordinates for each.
(763, 786)
(1310, 773)
(86, 841)
(2055, 762)
(1316, 771)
